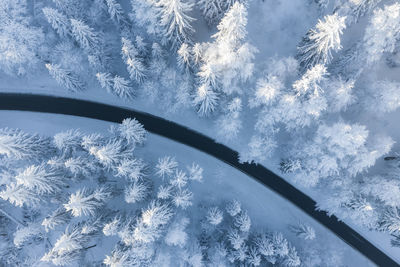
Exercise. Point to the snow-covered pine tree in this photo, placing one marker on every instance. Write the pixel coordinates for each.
(382, 33)
(175, 21)
(132, 131)
(57, 217)
(227, 61)
(317, 46)
(41, 179)
(214, 10)
(26, 234)
(292, 258)
(115, 10)
(390, 221)
(233, 207)
(112, 153)
(229, 124)
(242, 222)
(303, 231)
(86, 36)
(340, 94)
(106, 81)
(195, 172)
(65, 78)
(134, 63)
(166, 166)
(184, 57)
(73, 8)
(214, 216)
(179, 179)
(131, 169)
(260, 148)
(68, 247)
(122, 87)
(120, 258)
(19, 195)
(205, 100)
(68, 142)
(20, 44)
(136, 192)
(354, 10)
(58, 21)
(337, 150)
(182, 199)
(80, 167)
(385, 96)
(176, 235)
(383, 188)
(145, 14)
(17, 144)
(85, 203)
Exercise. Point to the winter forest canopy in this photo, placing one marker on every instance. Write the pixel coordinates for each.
(308, 88)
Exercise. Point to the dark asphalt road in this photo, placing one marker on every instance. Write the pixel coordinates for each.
(181, 134)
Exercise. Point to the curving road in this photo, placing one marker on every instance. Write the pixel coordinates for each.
(181, 134)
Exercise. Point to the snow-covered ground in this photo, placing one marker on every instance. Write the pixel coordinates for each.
(221, 183)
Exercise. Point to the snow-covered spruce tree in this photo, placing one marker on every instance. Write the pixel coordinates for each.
(122, 87)
(166, 166)
(131, 169)
(133, 61)
(58, 21)
(145, 14)
(229, 124)
(112, 153)
(116, 11)
(269, 92)
(184, 57)
(383, 188)
(19, 195)
(303, 231)
(340, 94)
(20, 43)
(65, 78)
(85, 36)
(68, 142)
(17, 144)
(68, 247)
(106, 81)
(296, 108)
(58, 217)
(41, 179)
(382, 33)
(338, 150)
(225, 63)
(176, 235)
(132, 131)
(205, 100)
(136, 192)
(85, 202)
(228, 240)
(317, 46)
(214, 10)
(354, 10)
(390, 221)
(80, 167)
(384, 96)
(26, 234)
(73, 8)
(214, 216)
(175, 21)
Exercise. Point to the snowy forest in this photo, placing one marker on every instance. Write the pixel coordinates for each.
(308, 88)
